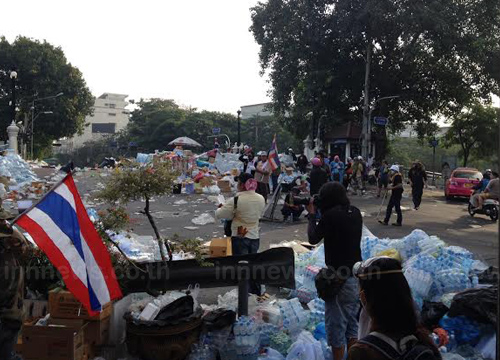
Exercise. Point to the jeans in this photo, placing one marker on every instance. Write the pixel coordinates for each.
(416, 193)
(341, 315)
(8, 340)
(244, 246)
(394, 202)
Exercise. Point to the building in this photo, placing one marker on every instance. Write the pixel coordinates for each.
(344, 140)
(110, 116)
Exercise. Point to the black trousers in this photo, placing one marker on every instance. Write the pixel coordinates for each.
(394, 202)
(416, 193)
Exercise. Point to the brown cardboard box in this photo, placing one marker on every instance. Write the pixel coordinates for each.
(96, 331)
(62, 342)
(221, 247)
(63, 305)
(224, 185)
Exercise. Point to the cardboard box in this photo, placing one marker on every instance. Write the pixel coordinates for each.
(224, 185)
(206, 181)
(35, 308)
(221, 247)
(63, 305)
(64, 341)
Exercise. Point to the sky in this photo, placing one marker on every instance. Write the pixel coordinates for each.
(198, 52)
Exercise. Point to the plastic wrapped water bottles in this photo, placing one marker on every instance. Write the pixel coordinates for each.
(452, 280)
(317, 304)
(246, 332)
(281, 342)
(202, 352)
(293, 314)
(420, 281)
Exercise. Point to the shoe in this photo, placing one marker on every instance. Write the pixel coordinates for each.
(397, 224)
(383, 222)
(416, 208)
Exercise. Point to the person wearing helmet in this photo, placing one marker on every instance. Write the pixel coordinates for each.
(396, 195)
(318, 176)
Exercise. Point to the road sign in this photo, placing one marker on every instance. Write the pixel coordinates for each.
(433, 143)
(216, 131)
(380, 120)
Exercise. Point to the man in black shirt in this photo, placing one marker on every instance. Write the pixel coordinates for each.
(395, 200)
(318, 176)
(418, 179)
(340, 227)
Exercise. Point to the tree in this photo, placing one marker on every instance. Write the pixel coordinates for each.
(43, 71)
(437, 55)
(140, 182)
(475, 129)
(156, 122)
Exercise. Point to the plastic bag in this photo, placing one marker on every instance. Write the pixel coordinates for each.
(305, 348)
(271, 354)
(203, 219)
(476, 304)
(432, 312)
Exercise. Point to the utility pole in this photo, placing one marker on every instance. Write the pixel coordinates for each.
(239, 127)
(366, 105)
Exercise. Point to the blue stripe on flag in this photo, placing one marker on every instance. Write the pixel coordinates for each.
(64, 216)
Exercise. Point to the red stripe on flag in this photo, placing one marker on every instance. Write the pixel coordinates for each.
(56, 257)
(95, 243)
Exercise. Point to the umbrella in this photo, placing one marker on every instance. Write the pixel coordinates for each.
(185, 141)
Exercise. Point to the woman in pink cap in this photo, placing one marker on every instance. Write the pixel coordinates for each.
(318, 176)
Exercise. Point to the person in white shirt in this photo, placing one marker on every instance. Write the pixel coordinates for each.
(245, 226)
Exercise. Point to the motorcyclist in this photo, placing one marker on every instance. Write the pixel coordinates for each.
(479, 188)
(492, 191)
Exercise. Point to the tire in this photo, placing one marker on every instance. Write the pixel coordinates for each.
(448, 197)
(494, 213)
(469, 209)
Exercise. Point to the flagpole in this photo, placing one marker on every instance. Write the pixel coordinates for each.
(43, 197)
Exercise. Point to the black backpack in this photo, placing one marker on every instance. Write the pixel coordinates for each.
(415, 350)
(229, 223)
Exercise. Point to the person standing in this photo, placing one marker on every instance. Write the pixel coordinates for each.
(262, 172)
(383, 177)
(318, 176)
(358, 172)
(12, 246)
(396, 195)
(337, 169)
(302, 163)
(348, 173)
(418, 179)
(245, 215)
(340, 228)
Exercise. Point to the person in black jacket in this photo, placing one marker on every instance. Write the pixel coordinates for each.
(418, 179)
(396, 196)
(318, 176)
(340, 228)
(302, 163)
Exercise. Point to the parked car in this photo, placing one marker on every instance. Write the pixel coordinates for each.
(461, 182)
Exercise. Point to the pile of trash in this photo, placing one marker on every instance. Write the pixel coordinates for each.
(12, 166)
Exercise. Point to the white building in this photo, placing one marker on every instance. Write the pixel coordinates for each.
(110, 116)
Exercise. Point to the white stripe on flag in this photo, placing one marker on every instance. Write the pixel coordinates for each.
(96, 277)
(61, 241)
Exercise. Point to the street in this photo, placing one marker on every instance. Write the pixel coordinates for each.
(449, 220)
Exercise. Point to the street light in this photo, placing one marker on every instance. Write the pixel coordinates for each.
(33, 117)
(239, 127)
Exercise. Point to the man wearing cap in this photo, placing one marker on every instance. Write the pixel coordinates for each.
(396, 195)
(262, 172)
(12, 246)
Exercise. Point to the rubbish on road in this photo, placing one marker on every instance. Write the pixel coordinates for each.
(181, 202)
(203, 219)
(191, 227)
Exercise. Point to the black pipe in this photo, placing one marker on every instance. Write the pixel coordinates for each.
(243, 285)
(274, 267)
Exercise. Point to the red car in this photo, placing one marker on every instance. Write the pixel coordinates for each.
(461, 182)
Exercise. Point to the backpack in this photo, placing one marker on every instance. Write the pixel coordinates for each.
(414, 350)
(229, 223)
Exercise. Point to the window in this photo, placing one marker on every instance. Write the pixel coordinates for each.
(471, 175)
(103, 128)
(112, 106)
(111, 114)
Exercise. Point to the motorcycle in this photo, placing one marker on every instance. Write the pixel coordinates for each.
(490, 208)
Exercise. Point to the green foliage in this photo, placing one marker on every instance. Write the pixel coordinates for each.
(476, 131)
(138, 183)
(156, 122)
(114, 218)
(436, 55)
(43, 71)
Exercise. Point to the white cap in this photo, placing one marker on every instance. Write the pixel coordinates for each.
(360, 157)
(395, 168)
(261, 153)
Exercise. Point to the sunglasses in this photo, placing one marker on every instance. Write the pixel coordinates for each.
(359, 269)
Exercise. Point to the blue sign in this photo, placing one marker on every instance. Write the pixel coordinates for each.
(216, 131)
(433, 143)
(380, 120)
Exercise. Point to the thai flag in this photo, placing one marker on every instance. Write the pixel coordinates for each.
(273, 158)
(60, 226)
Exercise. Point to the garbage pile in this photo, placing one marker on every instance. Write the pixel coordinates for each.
(13, 167)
